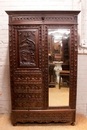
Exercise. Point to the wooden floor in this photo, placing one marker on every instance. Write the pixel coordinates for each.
(59, 97)
(5, 124)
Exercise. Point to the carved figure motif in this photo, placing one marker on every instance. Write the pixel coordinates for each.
(27, 49)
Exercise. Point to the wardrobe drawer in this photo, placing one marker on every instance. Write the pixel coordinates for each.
(27, 88)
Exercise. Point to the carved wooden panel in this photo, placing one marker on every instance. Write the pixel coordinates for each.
(25, 38)
(73, 64)
(44, 116)
(27, 96)
(32, 101)
(31, 77)
(49, 17)
(27, 88)
(27, 47)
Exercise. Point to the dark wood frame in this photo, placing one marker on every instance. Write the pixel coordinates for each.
(41, 20)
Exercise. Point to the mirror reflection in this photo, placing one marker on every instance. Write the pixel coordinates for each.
(59, 68)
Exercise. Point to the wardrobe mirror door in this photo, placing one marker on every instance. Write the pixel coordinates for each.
(59, 66)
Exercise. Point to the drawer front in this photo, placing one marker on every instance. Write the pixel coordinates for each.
(27, 96)
(27, 101)
(32, 77)
(20, 104)
(27, 88)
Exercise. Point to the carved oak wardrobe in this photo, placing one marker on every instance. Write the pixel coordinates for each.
(36, 44)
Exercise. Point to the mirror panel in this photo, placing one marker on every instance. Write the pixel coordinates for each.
(59, 66)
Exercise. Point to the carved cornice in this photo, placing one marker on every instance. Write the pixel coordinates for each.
(39, 18)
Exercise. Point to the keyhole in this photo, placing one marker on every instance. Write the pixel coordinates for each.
(42, 18)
